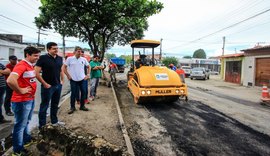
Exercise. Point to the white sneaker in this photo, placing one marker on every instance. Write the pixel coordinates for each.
(59, 123)
(91, 98)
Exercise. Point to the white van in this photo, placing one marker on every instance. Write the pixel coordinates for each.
(187, 70)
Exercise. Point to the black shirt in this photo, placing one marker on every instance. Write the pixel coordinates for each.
(51, 68)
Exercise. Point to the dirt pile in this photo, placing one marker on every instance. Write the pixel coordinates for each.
(57, 139)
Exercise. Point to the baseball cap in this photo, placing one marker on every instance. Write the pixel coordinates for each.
(12, 57)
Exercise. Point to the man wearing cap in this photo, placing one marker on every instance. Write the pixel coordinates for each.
(76, 74)
(95, 75)
(12, 62)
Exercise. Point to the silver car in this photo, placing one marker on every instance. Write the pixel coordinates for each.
(199, 73)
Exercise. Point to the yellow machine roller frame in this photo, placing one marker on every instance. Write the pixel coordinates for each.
(149, 82)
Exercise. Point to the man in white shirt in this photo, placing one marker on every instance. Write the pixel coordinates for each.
(74, 70)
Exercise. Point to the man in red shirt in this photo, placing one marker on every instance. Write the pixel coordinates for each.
(112, 70)
(12, 62)
(22, 81)
(181, 73)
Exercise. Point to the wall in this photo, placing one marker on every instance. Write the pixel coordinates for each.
(5, 48)
(250, 69)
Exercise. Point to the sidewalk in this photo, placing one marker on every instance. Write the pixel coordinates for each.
(101, 119)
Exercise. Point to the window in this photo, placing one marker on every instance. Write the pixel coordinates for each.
(11, 51)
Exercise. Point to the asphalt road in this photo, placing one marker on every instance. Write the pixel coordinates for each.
(195, 128)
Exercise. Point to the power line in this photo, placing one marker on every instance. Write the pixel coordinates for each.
(228, 27)
(17, 22)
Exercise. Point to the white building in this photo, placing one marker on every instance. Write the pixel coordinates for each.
(8, 48)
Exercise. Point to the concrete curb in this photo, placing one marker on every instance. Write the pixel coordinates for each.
(122, 124)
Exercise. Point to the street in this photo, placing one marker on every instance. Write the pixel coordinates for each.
(219, 119)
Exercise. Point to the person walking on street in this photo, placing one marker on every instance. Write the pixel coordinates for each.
(7, 104)
(51, 81)
(76, 65)
(112, 70)
(95, 76)
(23, 83)
(3, 71)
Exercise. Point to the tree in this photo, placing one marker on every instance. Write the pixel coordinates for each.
(199, 54)
(101, 24)
(168, 60)
(187, 57)
(128, 58)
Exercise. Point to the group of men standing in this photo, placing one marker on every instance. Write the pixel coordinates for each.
(49, 70)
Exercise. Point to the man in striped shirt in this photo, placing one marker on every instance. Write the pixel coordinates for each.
(3, 71)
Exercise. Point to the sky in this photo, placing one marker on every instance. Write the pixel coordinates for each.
(183, 26)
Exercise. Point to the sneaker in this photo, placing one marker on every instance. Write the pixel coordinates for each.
(91, 98)
(59, 123)
(9, 114)
(33, 141)
(86, 101)
(72, 110)
(4, 121)
(24, 152)
(84, 109)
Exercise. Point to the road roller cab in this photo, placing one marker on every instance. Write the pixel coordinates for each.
(148, 82)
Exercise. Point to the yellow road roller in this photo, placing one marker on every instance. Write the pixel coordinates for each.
(148, 82)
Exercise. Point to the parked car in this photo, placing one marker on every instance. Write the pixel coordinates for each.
(187, 70)
(199, 73)
(214, 73)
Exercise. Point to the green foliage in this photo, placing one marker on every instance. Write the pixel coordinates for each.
(109, 55)
(101, 24)
(187, 57)
(128, 58)
(168, 60)
(200, 53)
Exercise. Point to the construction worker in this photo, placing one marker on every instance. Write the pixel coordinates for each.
(172, 67)
(181, 73)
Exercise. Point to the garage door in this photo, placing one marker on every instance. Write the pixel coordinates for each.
(262, 71)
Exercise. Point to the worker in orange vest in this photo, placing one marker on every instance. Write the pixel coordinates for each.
(181, 73)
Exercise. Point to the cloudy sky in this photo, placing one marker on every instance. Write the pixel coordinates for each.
(183, 25)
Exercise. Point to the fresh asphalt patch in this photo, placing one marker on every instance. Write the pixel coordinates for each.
(197, 129)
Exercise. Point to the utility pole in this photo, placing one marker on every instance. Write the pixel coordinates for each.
(38, 36)
(64, 47)
(160, 55)
(223, 45)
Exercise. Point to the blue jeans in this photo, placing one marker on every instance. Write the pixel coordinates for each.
(75, 87)
(78, 91)
(94, 85)
(48, 95)
(21, 134)
(2, 92)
